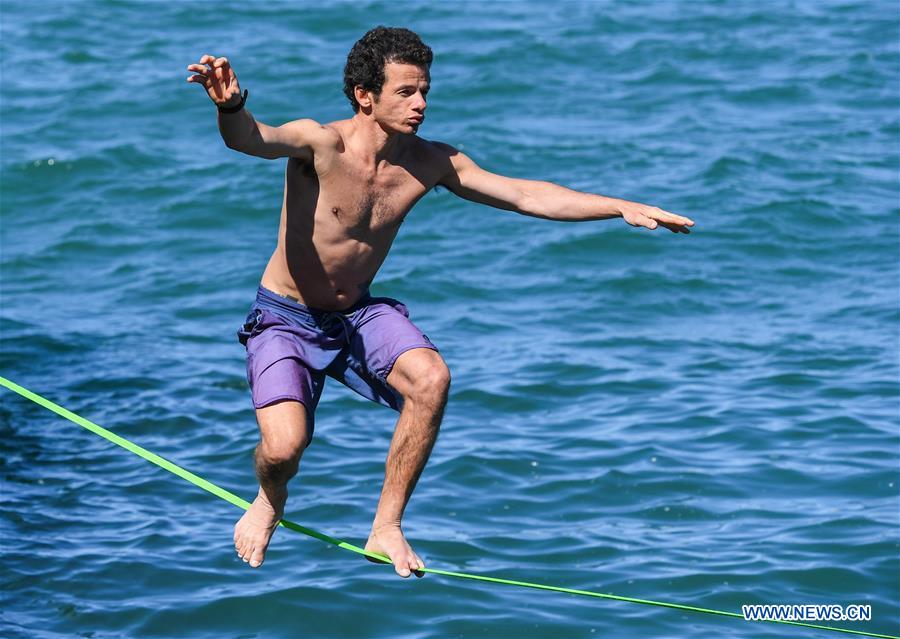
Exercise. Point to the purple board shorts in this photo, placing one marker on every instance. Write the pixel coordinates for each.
(292, 347)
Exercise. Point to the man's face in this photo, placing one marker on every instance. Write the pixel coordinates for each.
(401, 105)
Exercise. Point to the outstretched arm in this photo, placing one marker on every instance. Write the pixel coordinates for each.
(547, 200)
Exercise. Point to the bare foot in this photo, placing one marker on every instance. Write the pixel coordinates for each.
(254, 530)
(388, 539)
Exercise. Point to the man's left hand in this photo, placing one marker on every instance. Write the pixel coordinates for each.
(650, 217)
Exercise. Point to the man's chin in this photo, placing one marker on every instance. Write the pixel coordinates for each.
(405, 129)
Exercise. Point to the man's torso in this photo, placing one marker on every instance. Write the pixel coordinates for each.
(340, 215)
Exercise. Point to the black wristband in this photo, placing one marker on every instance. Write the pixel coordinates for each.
(236, 107)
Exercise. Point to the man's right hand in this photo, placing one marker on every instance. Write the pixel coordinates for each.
(216, 75)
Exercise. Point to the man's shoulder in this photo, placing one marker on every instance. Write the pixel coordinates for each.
(438, 154)
(435, 148)
(337, 127)
(305, 138)
(328, 134)
(431, 154)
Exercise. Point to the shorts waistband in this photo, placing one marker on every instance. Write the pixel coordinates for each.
(268, 297)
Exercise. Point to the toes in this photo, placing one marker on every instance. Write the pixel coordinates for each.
(244, 548)
(401, 566)
(409, 565)
(257, 557)
(406, 562)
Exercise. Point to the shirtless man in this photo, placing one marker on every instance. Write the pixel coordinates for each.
(348, 186)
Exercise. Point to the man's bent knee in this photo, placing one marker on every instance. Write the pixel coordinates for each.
(283, 453)
(277, 465)
(284, 434)
(420, 374)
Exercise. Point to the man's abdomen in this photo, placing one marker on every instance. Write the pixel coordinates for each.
(326, 275)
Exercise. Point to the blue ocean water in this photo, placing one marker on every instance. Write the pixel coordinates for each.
(709, 419)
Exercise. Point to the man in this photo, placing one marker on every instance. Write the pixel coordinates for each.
(348, 186)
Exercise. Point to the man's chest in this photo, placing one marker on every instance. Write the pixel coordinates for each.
(370, 200)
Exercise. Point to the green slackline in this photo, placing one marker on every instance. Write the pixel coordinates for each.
(237, 501)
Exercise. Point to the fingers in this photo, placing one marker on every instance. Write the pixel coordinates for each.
(201, 72)
(670, 218)
(212, 67)
(216, 75)
(676, 228)
(222, 63)
(650, 217)
(220, 70)
(675, 223)
(208, 62)
(639, 219)
(651, 223)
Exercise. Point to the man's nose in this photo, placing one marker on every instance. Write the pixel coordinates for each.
(420, 103)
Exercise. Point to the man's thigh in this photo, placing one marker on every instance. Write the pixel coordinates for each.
(382, 333)
(277, 373)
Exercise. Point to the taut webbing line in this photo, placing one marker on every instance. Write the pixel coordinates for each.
(237, 501)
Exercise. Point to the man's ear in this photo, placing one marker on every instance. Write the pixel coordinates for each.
(363, 98)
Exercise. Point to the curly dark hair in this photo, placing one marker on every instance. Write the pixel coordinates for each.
(365, 63)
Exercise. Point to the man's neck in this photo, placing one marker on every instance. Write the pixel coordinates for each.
(370, 141)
